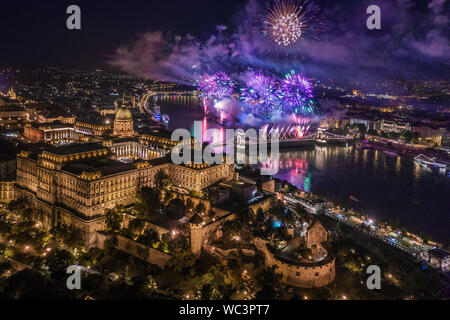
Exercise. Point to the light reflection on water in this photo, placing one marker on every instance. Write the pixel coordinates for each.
(384, 186)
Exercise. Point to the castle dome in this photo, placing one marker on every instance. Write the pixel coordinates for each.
(123, 114)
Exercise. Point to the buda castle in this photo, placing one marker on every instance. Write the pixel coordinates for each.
(74, 183)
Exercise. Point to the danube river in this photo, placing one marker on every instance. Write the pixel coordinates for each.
(368, 181)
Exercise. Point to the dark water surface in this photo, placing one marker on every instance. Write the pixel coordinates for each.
(385, 186)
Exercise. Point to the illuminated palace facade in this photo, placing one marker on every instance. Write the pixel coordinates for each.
(74, 184)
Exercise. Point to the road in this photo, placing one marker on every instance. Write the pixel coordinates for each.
(370, 229)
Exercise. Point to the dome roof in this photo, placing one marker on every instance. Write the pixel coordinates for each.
(123, 113)
(196, 219)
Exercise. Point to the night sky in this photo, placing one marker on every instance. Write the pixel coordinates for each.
(138, 37)
(34, 32)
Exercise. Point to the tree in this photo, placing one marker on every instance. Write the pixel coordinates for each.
(260, 215)
(362, 130)
(425, 237)
(288, 218)
(149, 238)
(71, 237)
(266, 293)
(277, 208)
(394, 223)
(407, 136)
(136, 226)
(148, 202)
(92, 282)
(57, 262)
(164, 244)
(226, 291)
(161, 179)
(271, 281)
(175, 209)
(182, 259)
(245, 217)
(21, 208)
(200, 208)
(114, 219)
(231, 229)
(206, 291)
(189, 204)
(179, 241)
(150, 285)
(211, 213)
(31, 285)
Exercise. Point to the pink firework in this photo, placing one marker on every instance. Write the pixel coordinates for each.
(297, 94)
(217, 86)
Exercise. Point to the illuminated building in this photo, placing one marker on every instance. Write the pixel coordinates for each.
(438, 258)
(317, 270)
(123, 122)
(94, 129)
(199, 176)
(11, 111)
(7, 193)
(132, 149)
(46, 113)
(393, 126)
(54, 132)
(74, 184)
(432, 136)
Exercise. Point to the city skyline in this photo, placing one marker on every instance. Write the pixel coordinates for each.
(180, 152)
(344, 50)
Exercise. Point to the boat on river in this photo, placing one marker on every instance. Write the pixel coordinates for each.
(430, 163)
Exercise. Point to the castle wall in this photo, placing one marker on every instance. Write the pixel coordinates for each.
(316, 235)
(264, 204)
(133, 248)
(302, 276)
(147, 226)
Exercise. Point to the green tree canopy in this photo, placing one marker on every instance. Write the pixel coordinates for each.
(175, 209)
(200, 208)
(161, 179)
(182, 260)
(114, 219)
(148, 202)
(58, 261)
(69, 236)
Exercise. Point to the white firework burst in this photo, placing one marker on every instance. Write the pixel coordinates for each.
(286, 20)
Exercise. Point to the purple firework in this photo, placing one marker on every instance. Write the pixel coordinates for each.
(297, 94)
(260, 96)
(217, 86)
